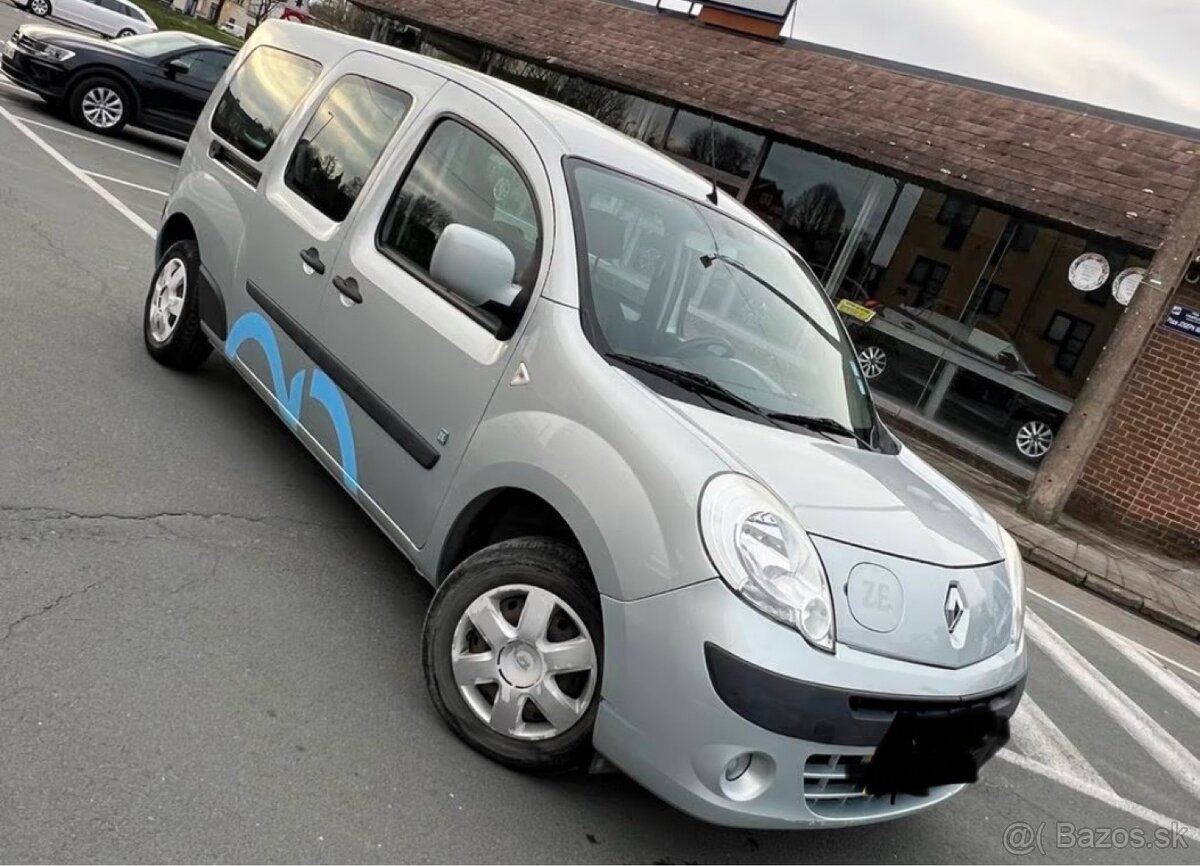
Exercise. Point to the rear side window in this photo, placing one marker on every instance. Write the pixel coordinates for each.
(260, 98)
(461, 177)
(342, 142)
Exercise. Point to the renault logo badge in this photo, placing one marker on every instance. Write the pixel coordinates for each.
(957, 614)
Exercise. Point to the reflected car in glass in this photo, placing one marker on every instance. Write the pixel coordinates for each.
(973, 372)
(616, 424)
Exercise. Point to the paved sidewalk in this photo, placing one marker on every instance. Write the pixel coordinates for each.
(1158, 587)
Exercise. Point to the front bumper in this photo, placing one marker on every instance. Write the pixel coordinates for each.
(663, 722)
(43, 77)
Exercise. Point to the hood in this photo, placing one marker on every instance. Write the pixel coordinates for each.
(895, 504)
(69, 38)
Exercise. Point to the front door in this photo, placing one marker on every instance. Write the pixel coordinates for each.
(417, 362)
(177, 90)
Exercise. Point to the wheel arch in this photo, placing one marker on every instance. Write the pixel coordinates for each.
(496, 515)
(177, 227)
(118, 75)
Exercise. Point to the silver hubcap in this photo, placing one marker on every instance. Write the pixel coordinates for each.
(102, 107)
(873, 361)
(39, 7)
(1034, 438)
(524, 662)
(166, 303)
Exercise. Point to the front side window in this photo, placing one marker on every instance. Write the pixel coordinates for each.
(205, 67)
(671, 283)
(260, 98)
(342, 142)
(461, 177)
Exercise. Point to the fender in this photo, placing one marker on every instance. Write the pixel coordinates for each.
(632, 522)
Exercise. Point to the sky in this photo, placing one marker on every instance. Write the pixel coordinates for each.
(1139, 56)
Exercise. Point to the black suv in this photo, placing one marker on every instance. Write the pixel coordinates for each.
(159, 81)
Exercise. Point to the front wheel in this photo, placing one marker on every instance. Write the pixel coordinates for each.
(40, 8)
(171, 320)
(1032, 438)
(101, 105)
(512, 651)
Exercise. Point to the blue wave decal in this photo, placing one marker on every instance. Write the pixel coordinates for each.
(254, 326)
(322, 389)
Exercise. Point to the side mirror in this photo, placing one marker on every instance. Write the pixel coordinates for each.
(177, 67)
(475, 265)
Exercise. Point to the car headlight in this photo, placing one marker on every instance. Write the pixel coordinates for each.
(53, 52)
(765, 556)
(1015, 566)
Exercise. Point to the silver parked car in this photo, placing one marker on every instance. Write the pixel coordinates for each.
(612, 418)
(107, 17)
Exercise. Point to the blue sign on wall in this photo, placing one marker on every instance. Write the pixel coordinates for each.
(1183, 320)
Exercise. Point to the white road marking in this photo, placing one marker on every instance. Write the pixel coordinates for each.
(1104, 795)
(78, 173)
(100, 176)
(1103, 628)
(1171, 682)
(1171, 755)
(95, 141)
(1039, 739)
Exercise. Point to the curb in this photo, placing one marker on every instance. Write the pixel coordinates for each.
(1066, 570)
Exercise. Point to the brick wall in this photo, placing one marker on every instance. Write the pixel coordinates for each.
(1144, 476)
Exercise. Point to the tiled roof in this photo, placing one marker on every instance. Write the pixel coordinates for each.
(1085, 170)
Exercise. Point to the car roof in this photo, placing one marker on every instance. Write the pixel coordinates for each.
(557, 130)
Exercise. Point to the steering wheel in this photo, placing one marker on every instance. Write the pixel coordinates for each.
(697, 345)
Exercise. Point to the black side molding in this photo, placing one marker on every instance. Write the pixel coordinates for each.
(417, 446)
(824, 714)
(212, 304)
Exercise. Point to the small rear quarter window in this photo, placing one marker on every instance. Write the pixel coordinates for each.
(261, 96)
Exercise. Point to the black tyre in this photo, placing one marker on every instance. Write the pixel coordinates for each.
(40, 8)
(171, 319)
(513, 652)
(124, 33)
(101, 104)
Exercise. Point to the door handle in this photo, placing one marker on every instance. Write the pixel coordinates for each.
(348, 286)
(312, 258)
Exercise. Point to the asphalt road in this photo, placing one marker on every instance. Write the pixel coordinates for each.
(208, 653)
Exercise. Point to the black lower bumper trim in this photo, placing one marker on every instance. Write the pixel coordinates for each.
(825, 714)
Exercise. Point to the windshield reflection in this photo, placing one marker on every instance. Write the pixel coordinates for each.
(679, 283)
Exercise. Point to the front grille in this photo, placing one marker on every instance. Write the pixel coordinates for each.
(832, 790)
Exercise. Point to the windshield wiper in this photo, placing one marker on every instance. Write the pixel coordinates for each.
(820, 425)
(692, 381)
(709, 258)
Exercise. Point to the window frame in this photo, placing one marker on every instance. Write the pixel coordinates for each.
(243, 166)
(500, 327)
(922, 286)
(1069, 335)
(287, 165)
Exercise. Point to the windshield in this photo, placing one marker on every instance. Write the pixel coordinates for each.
(673, 281)
(153, 44)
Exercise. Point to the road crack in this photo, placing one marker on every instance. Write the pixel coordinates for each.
(38, 512)
(46, 608)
